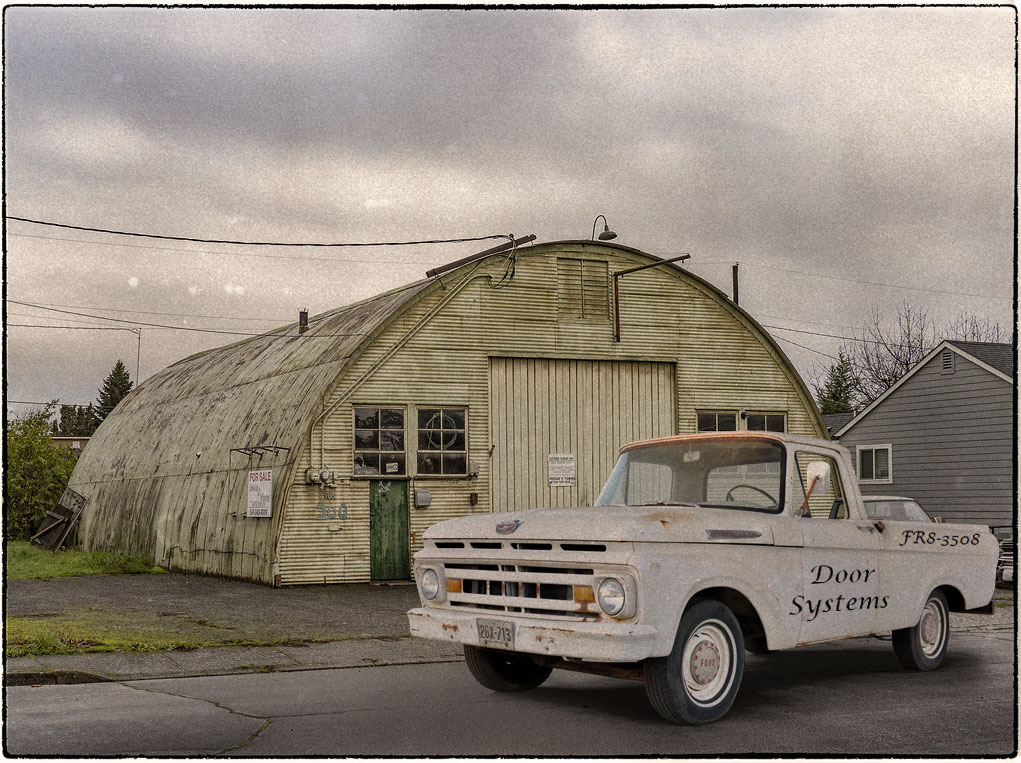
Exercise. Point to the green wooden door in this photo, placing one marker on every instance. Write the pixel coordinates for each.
(388, 547)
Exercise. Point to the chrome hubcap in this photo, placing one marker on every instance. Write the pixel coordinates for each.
(931, 628)
(707, 663)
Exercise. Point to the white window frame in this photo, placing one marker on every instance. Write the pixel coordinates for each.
(889, 455)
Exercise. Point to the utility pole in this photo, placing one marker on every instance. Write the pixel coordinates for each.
(735, 284)
(138, 355)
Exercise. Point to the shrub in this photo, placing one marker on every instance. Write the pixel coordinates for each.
(37, 471)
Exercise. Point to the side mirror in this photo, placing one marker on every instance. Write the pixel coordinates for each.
(818, 477)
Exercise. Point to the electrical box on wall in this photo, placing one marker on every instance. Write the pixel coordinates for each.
(320, 477)
(422, 499)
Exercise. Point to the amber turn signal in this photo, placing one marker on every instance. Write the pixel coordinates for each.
(584, 593)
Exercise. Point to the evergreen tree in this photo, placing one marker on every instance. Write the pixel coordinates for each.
(116, 387)
(76, 421)
(838, 391)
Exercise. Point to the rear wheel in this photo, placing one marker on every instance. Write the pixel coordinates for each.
(697, 682)
(504, 671)
(922, 646)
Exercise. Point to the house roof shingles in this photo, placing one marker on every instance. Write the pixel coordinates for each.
(996, 354)
(836, 421)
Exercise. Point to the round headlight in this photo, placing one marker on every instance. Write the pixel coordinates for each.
(430, 584)
(610, 596)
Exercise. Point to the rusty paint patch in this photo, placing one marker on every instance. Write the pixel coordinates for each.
(451, 627)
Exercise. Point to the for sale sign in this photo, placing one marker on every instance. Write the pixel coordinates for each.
(260, 493)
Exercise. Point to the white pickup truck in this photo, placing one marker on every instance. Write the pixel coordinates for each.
(698, 548)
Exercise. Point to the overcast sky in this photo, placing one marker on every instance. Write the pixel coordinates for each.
(848, 159)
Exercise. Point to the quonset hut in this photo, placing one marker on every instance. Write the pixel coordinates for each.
(508, 381)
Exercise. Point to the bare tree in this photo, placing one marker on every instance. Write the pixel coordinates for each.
(881, 355)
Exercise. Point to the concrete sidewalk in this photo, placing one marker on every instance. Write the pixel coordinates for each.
(361, 625)
(329, 626)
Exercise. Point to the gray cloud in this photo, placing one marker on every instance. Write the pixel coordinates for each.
(868, 144)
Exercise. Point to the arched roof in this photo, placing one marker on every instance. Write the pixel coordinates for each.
(266, 390)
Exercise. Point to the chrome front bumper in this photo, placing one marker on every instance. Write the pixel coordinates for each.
(593, 642)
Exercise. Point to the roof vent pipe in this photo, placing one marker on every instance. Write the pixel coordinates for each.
(303, 320)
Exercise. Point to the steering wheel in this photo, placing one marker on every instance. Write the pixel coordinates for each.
(730, 493)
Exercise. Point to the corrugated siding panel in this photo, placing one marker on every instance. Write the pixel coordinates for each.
(151, 494)
(951, 437)
(586, 408)
(666, 318)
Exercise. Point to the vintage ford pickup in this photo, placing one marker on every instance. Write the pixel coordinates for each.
(698, 548)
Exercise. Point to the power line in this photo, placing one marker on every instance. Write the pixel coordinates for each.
(693, 263)
(178, 328)
(210, 251)
(46, 317)
(258, 243)
(803, 320)
(879, 283)
(154, 312)
(79, 328)
(803, 347)
(816, 333)
(31, 402)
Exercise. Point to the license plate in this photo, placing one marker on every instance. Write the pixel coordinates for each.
(496, 633)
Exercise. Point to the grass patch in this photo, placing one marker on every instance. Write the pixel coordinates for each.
(94, 629)
(26, 561)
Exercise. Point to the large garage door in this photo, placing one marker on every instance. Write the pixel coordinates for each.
(581, 408)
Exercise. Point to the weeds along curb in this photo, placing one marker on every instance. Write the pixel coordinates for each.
(50, 677)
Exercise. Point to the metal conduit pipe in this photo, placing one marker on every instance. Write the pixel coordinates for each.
(384, 357)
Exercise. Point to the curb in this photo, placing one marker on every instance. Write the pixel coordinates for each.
(50, 677)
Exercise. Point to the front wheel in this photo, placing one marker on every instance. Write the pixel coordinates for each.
(922, 646)
(697, 682)
(504, 671)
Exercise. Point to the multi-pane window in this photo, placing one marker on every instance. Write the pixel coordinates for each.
(717, 422)
(442, 447)
(379, 441)
(766, 422)
(874, 464)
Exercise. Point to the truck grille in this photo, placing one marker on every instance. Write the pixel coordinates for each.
(522, 588)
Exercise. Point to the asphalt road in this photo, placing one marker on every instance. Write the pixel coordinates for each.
(847, 697)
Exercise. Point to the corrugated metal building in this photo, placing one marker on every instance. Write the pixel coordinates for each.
(496, 385)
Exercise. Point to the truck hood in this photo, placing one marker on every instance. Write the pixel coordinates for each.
(650, 524)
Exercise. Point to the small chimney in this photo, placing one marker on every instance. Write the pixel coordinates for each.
(303, 320)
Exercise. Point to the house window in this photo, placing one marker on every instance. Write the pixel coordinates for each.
(442, 445)
(875, 463)
(379, 441)
(717, 422)
(583, 289)
(766, 422)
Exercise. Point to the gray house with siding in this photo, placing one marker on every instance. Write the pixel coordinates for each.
(943, 435)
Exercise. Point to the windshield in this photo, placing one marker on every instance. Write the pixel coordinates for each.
(896, 510)
(727, 474)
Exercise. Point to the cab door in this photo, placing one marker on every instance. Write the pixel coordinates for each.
(840, 560)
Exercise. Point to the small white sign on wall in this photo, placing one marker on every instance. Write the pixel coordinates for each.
(260, 493)
(562, 469)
